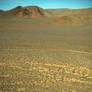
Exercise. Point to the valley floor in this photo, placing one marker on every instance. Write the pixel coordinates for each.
(45, 58)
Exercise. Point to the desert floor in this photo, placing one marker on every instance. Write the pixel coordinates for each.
(41, 56)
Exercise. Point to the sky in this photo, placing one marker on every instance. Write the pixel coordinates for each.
(46, 4)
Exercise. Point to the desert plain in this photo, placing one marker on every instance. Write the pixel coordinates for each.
(45, 50)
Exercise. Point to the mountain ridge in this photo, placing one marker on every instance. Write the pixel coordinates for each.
(35, 11)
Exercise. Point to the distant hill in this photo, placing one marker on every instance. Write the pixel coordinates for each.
(71, 19)
(30, 11)
(62, 12)
(59, 16)
(35, 11)
(79, 16)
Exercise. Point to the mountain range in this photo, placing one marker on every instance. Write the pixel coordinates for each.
(35, 11)
(59, 15)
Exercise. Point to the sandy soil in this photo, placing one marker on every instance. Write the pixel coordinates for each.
(41, 56)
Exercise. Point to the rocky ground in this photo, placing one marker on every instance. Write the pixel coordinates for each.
(36, 71)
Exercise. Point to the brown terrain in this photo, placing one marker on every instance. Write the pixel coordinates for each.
(45, 50)
(19, 11)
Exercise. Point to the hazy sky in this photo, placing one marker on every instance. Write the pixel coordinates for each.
(46, 4)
